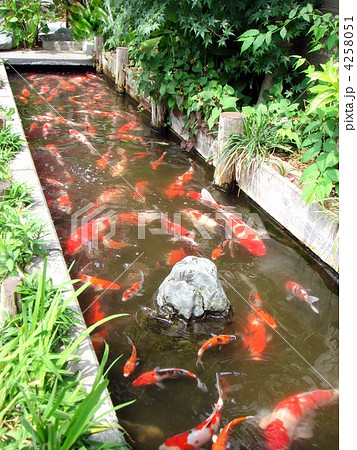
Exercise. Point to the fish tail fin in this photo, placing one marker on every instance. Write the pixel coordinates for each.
(198, 361)
(314, 309)
(313, 299)
(201, 385)
(130, 341)
(207, 197)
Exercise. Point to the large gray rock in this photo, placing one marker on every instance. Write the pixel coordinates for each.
(192, 289)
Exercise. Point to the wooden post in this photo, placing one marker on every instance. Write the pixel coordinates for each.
(228, 122)
(158, 116)
(121, 61)
(8, 296)
(98, 48)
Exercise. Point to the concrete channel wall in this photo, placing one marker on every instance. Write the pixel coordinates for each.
(24, 171)
(274, 193)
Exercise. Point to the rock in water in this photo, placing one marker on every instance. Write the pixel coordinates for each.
(192, 289)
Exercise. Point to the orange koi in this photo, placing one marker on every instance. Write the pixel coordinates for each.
(46, 129)
(98, 339)
(22, 98)
(128, 126)
(131, 362)
(53, 92)
(187, 176)
(217, 252)
(157, 375)
(255, 337)
(200, 435)
(174, 257)
(44, 89)
(25, 92)
(94, 312)
(80, 238)
(103, 161)
(67, 86)
(194, 195)
(115, 245)
(64, 203)
(127, 137)
(139, 193)
(220, 442)
(176, 189)
(158, 161)
(113, 195)
(139, 156)
(213, 341)
(127, 219)
(134, 289)
(55, 153)
(97, 283)
(256, 304)
(52, 182)
(119, 167)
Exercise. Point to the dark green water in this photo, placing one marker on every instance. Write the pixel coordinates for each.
(300, 355)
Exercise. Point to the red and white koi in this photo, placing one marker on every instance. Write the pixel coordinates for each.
(46, 129)
(157, 375)
(200, 435)
(113, 195)
(119, 168)
(52, 148)
(288, 421)
(179, 232)
(213, 341)
(200, 220)
(134, 289)
(132, 361)
(296, 290)
(81, 138)
(128, 126)
(249, 238)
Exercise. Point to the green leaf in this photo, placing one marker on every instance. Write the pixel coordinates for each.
(283, 33)
(311, 173)
(311, 153)
(333, 174)
(228, 103)
(268, 37)
(258, 41)
(246, 44)
(311, 139)
(248, 33)
(308, 193)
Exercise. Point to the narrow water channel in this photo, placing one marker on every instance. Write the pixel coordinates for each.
(97, 158)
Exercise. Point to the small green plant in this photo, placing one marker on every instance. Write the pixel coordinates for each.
(248, 150)
(10, 144)
(42, 403)
(320, 134)
(26, 19)
(87, 20)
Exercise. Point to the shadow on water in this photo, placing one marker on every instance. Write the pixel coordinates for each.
(78, 180)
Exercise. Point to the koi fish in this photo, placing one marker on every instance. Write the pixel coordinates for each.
(220, 442)
(116, 245)
(128, 126)
(217, 252)
(113, 195)
(67, 86)
(158, 161)
(80, 238)
(55, 153)
(255, 337)
(134, 289)
(157, 375)
(52, 182)
(139, 156)
(131, 362)
(200, 435)
(98, 339)
(22, 99)
(119, 167)
(296, 290)
(81, 138)
(194, 195)
(174, 257)
(127, 219)
(288, 420)
(103, 161)
(25, 92)
(260, 314)
(94, 312)
(213, 341)
(54, 92)
(88, 127)
(249, 238)
(179, 232)
(175, 190)
(139, 193)
(203, 220)
(126, 137)
(187, 176)
(46, 129)
(97, 283)
(44, 89)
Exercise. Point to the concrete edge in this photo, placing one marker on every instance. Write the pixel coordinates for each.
(275, 194)
(24, 171)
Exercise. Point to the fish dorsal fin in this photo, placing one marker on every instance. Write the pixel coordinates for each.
(157, 369)
(207, 197)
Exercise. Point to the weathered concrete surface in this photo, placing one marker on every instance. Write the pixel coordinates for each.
(192, 289)
(46, 58)
(24, 171)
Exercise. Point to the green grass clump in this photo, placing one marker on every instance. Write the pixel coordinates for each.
(10, 144)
